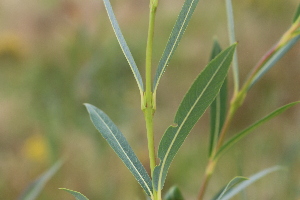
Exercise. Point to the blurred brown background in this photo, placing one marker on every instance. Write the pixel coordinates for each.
(56, 55)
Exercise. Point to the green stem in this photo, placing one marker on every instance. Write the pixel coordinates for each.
(148, 100)
(208, 172)
(232, 40)
(240, 94)
(236, 102)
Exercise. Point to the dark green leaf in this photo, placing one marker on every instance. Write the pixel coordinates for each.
(246, 131)
(173, 194)
(119, 144)
(37, 186)
(201, 94)
(297, 14)
(229, 186)
(77, 195)
(175, 37)
(218, 106)
(124, 45)
(248, 182)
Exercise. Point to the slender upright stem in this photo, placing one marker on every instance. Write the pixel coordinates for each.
(148, 100)
(208, 172)
(232, 40)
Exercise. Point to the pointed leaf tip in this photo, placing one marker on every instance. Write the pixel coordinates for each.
(173, 194)
(198, 98)
(297, 14)
(119, 144)
(77, 195)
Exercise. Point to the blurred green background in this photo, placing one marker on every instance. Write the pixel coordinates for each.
(56, 55)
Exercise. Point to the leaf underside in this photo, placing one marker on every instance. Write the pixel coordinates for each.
(175, 37)
(119, 144)
(198, 98)
(124, 45)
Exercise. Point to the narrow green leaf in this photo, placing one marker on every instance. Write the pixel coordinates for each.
(124, 45)
(201, 94)
(246, 131)
(77, 195)
(174, 39)
(37, 186)
(229, 186)
(119, 144)
(251, 180)
(297, 14)
(274, 59)
(218, 106)
(173, 194)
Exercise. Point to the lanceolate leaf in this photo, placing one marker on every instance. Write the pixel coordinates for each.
(274, 59)
(77, 195)
(246, 131)
(173, 194)
(251, 180)
(297, 14)
(120, 145)
(124, 45)
(229, 186)
(218, 107)
(175, 37)
(36, 187)
(198, 98)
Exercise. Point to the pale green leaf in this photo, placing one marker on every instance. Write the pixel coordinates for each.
(297, 14)
(201, 94)
(175, 37)
(248, 182)
(77, 195)
(119, 144)
(274, 59)
(124, 45)
(229, 186)
(246, 131)
(173, 194)
(37, 186)
(218, 106)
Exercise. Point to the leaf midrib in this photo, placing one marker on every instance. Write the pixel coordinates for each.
(125, 153)
(179, 128)
(173, 46)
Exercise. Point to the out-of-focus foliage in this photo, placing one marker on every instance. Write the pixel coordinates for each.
(57, 55)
